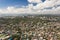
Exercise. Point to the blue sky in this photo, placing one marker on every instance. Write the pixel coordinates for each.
(30, 6)
(18, 3)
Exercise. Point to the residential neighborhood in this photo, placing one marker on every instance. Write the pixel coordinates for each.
(30, 28)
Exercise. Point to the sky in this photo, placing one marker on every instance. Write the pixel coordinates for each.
(7, 3)
(29, 6)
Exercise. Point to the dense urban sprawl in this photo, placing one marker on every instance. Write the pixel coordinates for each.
(30, 28)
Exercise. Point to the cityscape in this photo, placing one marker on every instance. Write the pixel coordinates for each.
(30, 27)
(29, 19)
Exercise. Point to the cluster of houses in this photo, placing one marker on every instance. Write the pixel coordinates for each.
(36, 28)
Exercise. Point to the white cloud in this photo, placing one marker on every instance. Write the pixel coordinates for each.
(40, 8)
(34, 1)
(44, 5)
(26, 9)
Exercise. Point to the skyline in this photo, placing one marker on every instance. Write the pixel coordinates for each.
(29, 6)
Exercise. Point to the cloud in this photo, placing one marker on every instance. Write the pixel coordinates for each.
(24, 9)
(46, 7)
(34, 1)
